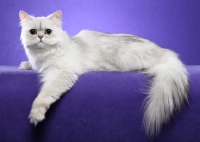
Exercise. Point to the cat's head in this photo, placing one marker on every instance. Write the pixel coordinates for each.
(41, 32)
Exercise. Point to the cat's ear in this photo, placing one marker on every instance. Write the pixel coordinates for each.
(24, 17)
(57, 17)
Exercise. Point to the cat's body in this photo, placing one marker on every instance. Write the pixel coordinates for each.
(61, 59)
(98, 51)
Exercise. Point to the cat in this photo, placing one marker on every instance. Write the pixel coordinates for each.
(61, 59)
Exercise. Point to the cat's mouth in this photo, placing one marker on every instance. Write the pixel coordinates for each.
(40, 43)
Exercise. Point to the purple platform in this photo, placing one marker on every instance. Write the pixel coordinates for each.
(102, 106)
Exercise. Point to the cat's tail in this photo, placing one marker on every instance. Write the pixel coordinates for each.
(168, 92)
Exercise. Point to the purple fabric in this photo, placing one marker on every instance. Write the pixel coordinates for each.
(101, 107)
(173, 24)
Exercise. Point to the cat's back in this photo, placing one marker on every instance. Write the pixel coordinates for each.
(88, 35)
(84, 33)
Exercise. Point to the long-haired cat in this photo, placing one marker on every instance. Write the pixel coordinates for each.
(61, 59)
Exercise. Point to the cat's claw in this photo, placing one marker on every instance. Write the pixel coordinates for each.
(37, 115)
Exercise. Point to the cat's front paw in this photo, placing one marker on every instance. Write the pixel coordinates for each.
(25, 65)
(37, 114)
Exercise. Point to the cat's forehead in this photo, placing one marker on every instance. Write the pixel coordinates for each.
(40, 23)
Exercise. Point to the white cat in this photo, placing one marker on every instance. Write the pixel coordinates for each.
(61, 59)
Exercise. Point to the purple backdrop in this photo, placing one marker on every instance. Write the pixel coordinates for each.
(171, 24)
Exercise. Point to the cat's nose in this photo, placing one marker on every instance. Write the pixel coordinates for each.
(40, 37)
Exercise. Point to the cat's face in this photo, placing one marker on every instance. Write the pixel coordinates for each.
(41, 32)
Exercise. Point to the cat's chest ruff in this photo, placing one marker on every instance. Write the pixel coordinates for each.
(42, 60)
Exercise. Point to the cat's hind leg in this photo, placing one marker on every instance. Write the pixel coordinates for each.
(56, 82)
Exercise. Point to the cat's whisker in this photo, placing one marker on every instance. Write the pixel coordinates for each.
(17, 48)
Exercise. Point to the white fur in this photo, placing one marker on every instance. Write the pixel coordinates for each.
(61, 59)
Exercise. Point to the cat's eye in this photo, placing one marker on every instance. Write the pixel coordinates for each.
(48, 31)
(33, 32)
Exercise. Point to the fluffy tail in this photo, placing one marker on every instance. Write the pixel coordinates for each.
(168, 92)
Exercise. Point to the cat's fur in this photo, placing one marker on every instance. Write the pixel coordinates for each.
(61, 59)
